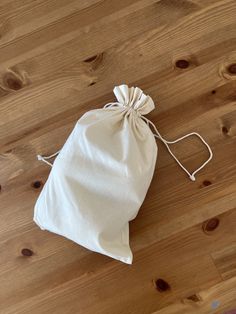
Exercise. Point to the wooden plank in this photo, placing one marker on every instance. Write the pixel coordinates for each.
(190, 246)
(61, 58)
(225, 261)
(218, 298)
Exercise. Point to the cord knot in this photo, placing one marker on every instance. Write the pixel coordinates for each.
(39, 157)
(192, 177)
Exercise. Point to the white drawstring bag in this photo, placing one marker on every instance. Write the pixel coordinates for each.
(101, 175)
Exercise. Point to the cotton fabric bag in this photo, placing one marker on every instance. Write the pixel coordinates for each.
(101, 175)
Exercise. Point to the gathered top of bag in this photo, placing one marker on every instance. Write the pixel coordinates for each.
(133, 98)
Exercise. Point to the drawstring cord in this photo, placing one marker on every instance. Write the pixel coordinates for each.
(156, 135)
(45, 158)
(167, 143)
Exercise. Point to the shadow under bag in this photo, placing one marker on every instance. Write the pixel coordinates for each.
(102, 173)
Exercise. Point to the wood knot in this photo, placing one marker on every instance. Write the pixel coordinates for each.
(26, 252)
(162, 285)
(91, 59)
(194, 298)
(36, 184)
(206, 182)
(213, 92)
(232, 68)
(224, 130)
(227, 69)
(12, 81)
(210, 225)
(95, 61)
(92, 83)
(182, 64)
(0, 188)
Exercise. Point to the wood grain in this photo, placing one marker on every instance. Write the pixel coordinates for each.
(61, 58)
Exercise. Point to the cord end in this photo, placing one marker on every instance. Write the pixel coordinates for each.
(192, 177)
(39, 157)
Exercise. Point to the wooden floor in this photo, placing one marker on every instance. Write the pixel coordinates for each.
(61, 58)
